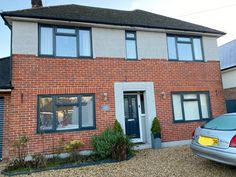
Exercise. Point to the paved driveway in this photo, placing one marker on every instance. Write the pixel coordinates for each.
(168, 162)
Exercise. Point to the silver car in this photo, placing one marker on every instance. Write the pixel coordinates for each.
(216, 140)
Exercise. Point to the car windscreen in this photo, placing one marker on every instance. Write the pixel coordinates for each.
(224, 122)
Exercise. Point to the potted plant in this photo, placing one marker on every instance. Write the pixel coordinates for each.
(156, 134)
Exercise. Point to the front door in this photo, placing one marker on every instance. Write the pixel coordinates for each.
(131, 116)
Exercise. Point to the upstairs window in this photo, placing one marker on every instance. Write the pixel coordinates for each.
(65, 42)
(184, 48)
(131, 45)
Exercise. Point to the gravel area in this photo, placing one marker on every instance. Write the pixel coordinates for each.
(167, 162)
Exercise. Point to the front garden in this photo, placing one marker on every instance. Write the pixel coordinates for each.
(112, 145)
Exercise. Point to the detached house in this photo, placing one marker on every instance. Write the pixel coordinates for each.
(75, 69)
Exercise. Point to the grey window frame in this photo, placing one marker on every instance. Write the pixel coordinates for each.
(55, 33)
(182, 93)
(131, 39)
(54, 104)
(184, 42)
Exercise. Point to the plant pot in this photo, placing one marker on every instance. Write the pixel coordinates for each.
(156, 141)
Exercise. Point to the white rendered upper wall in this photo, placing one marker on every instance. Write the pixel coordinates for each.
(108, 42)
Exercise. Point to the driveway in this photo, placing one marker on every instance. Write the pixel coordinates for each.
(168, 162)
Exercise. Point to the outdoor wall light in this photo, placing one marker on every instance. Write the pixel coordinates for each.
(163, 95)
(105, 96)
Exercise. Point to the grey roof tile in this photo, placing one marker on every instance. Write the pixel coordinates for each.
(5, 80)
(137, 18)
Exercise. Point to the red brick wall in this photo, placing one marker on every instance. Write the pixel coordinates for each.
(33, 76)
(230, 94)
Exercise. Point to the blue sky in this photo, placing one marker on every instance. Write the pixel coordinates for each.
(218, 14)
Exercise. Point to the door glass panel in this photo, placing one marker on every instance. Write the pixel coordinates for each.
(134, 108)
(126, 104)
(142, 104)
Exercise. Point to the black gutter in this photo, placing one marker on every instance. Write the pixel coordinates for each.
(106, 23)
(231, 67)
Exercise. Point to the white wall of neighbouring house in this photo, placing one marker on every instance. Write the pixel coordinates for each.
(210, 48)
(229, 78)
(108, 42)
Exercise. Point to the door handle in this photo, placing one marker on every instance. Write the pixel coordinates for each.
(130, 120)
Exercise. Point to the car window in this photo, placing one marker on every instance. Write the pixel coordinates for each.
(224, 122)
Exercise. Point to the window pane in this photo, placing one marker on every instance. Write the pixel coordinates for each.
(46, 41)
(205, 105)
(67, 117)
(197, 49)
(84, 43)
(66, 46)
(142, 104)
(67, 100)
(66, 30)
(184, 39)
(224, 122)
(171, 48)
(87, 111)
(191, 110)
(131, 49)
(185, 52)
(190, 96)
(46, 113)
(130, 35)
(178, 115)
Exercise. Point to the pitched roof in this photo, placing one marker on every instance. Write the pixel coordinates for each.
(136, 18)
(228, 55)
(5, 76)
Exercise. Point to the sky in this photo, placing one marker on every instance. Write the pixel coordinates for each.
(217, 14)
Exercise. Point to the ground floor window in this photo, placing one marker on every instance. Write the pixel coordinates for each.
(66, 112)
(191, 106)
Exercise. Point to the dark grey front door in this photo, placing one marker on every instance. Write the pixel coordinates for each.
(1, 124)
(131, 116)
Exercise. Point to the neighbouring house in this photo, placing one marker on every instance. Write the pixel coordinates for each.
(75, 69)
(228, 69)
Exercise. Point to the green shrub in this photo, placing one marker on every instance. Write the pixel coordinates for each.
(117, 127)
(156, 127)
(111, 143)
